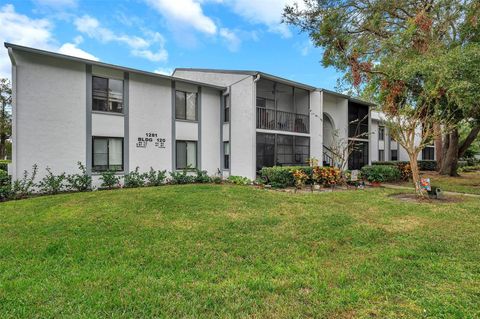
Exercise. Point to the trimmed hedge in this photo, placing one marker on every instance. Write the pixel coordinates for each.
(282, 176)
(381, 173)
(422, 165)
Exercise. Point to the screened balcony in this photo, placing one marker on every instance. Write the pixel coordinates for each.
(282, 107)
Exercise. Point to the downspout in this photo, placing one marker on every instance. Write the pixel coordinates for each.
(13, 166)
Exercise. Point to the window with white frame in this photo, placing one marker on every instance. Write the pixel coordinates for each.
(381, 133)
(107, 94)
(186, 154)
(185, 106)
(107, 153)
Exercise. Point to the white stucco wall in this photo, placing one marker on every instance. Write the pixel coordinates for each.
(337, 108)
(111, 125)
(150, 111)
(243, 129)
(215, 78)
(210, 130)
(50, 114)
(316, 125)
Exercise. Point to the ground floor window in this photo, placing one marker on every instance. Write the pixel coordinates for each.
(186, 154)
(226, 155)
(394, 155)
(282, 150)
(359, 155)
(428, 153)
(381, 155)
(107, 153)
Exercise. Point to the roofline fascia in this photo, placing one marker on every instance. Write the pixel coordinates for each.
(11, 47)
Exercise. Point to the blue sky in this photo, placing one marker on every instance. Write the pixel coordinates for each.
(159, 35)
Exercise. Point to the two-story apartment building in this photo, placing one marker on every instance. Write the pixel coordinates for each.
(68, 110)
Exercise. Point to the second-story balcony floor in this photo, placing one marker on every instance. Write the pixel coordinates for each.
(269, 119)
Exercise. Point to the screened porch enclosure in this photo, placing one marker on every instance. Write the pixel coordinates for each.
(282, 107)
(282, 150)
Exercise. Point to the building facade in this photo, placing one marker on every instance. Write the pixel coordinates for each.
(68, 110)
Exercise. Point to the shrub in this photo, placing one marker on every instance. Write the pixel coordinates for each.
(52, 184)
(282, 176)
(5, 186)
(238, 180)
(422, 165)
(300, 178)
(155, 178)
(22, 188)
(80, 182)
(109, 179)
(217, 179)
(202, 177)
(181, 177)
(472, 168)
(4, 165)
(381, 173)
(134, 179)
(328, 176)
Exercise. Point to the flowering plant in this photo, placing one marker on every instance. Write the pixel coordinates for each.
(328, 176)
(300, 178)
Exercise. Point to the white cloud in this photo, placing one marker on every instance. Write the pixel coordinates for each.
(37, 33)
(140, 47)
(185, 12)
(164, 71)
(71, 49)
(233, 41)
(56, 4)
(267, 12)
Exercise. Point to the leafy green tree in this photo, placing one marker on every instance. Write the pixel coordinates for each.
(5, 115)
(389, 50)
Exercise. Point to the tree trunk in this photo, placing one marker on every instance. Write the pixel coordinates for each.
(438, 144)
(450, 160)
(415, 174)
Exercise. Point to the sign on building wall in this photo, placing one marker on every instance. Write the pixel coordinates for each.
(151, 139)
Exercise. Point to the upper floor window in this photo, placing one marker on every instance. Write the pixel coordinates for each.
(185, 106)
(107, 95)
(107, 153)
(226, 108)
(381, 133)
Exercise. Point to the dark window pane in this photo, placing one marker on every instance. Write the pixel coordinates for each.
(394, 155)
(357, 120)
(226, 155)
(100, 154)
(107, 154)
(181, 155)
(100, 94)
(359, 155)
(180, 105)
(115, 95)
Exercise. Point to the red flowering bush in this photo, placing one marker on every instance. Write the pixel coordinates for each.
(300, 178)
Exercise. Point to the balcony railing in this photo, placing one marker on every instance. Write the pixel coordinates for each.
(269, 119)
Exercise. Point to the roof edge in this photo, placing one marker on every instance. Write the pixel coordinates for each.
(106, 65)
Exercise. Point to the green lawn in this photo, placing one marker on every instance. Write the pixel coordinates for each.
(230, 251)
(465, 183)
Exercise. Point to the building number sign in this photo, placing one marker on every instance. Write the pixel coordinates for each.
(150, 138)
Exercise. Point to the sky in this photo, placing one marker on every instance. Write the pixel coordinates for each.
(160, 35)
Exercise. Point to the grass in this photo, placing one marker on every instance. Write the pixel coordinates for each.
(202, 251)
(468, 182)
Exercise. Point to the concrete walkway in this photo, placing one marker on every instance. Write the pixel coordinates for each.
(392, 186)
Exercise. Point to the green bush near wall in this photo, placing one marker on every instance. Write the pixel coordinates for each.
(4, 165)
(381, 173)
(282, 176)
(422, 165)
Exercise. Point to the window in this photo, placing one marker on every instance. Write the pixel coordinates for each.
(282, 150)
(107, 154)
(226, 108)
(381, 133)
(185, 106)
(428, 153)
(186, 156)
(394, 155)
(381, 155)
(226, 155)
(358, 156)
(357, 120)
(107, 95)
